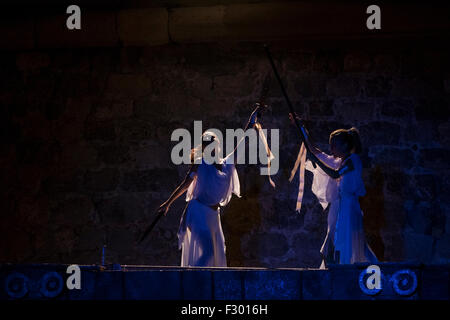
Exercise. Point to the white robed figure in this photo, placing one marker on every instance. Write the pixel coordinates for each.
(337, 182)
(200, 236)
(209, 187)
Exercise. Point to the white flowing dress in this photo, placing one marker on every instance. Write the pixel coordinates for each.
(345, 232)
(200, 235)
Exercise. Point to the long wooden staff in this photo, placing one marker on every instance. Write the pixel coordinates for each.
(300, 162)
(150, 228)
(274, 68)
(283, 90)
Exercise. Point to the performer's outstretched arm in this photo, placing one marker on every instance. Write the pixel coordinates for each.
(179, 190)
(250, 124)
(312, 151)
(335, 174)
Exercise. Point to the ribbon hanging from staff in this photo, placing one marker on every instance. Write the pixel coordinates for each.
(269, 153)
(300, 167)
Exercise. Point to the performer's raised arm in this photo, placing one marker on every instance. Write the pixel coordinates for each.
(179, 190)
(250, 124)
(313, 151)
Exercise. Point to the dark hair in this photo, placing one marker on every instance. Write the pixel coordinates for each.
(350, 137)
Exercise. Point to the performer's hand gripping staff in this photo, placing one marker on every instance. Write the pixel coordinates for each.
(184, 185)
(312, 151)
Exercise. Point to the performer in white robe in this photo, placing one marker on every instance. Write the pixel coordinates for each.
(338, 181)
(326, 191)
(201, 238)
(209, 187)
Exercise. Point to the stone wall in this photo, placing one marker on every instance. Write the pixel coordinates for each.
(86, 149)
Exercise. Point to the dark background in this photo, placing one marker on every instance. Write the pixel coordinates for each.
(86, 119)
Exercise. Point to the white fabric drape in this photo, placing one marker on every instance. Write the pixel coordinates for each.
(269, 153)
(349, 237)
(300, 166)
(200, 234)
(345, 232)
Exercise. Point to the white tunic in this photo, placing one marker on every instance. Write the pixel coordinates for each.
(200, 235)
(345, 219)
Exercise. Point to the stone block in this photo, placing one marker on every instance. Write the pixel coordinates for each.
(345, 283)
(143, 27)
(123, 209)
(443, 249)
(125, 86)
(117, 109)
(197, 24)
(196, 284)
(394, 157)
(100, 130)
(420, 133)
(147, 109)
(122, 240)
(101, 180)
(418, 247)
(444, 134)
(267, 245)
(426, 187)
(98, 29)
(228, 284)
(343, 87)
(32, 61)
(74, 211)
(152, 285)
(306, 244)
(435, 283)
(149, 180)
(113, 154)
(397, 109)
(357, 62)
(386, 64)
(316, 285)
(135, 130)
(77, 155)
(434, 109)
(233, 85)
(380, 133)
(272, 285)
(354, 111)
(65, 181)
(310, 87)
(90, 238)
(17, 34)
(409, 87)
(109, 285)
(378, 87)
(435, 158)
(447, 85)
(321, 108)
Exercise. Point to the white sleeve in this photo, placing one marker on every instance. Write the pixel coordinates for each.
(329, 160)
(234, 186)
